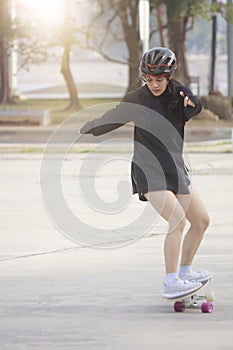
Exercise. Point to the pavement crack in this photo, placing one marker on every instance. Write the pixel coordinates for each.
(24, 256)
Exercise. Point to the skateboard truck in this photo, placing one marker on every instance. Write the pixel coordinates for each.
(196, 301)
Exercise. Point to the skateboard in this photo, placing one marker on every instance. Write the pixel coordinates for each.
(195, 300)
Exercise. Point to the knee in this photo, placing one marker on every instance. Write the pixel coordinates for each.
(201, 224)
(177, 226)
(205, 221)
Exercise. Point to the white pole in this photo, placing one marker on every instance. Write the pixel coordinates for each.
(13, 58)
(230, 53)
(144, 24)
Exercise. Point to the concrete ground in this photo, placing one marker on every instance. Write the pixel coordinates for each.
(56, 294)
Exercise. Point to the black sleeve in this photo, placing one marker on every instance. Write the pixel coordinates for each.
(111, 120)
(190, 111)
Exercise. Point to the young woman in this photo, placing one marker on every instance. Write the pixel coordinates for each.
(159, 174)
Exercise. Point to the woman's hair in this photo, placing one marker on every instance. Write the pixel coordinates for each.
(173, 94)
(174, 108)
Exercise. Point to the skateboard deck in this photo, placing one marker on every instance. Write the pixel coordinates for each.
(195, 300)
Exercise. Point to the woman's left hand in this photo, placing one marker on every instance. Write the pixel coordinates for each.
(187, 101)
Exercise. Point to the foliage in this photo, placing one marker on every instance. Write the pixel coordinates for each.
(108, 26)
(228, 12)
(177, 19)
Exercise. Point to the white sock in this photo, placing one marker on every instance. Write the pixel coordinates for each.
(170, 277)
(184, 269)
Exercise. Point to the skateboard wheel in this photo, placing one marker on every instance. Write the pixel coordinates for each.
(179, 306)
(210, 296)
(207, 308)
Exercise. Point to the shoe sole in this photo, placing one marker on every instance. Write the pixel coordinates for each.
(183, 295)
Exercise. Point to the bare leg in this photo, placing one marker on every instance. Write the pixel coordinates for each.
(197, 215)
(167, 205)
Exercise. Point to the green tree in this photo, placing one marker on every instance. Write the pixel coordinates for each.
(179, 18)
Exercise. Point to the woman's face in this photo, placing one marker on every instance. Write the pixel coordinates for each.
(157, 85)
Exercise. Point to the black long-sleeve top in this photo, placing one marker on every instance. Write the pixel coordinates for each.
(158, 136)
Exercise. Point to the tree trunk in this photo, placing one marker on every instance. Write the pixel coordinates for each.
(4, 57)
(177, 44)
(134, 81)
(176, 31)
(161, 17)
(72, 89)
(134, 58)
(4, 75)
(128, 16)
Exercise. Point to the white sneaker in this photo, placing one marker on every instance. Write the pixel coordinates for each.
(179, 288)
(197, 276)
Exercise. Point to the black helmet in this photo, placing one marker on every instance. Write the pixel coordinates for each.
(158, 61)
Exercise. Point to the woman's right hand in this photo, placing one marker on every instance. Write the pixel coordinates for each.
(187, 101)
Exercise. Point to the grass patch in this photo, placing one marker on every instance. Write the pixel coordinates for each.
(224, 143)
(31, 150)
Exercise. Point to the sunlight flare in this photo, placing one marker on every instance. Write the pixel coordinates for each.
(45, 12)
